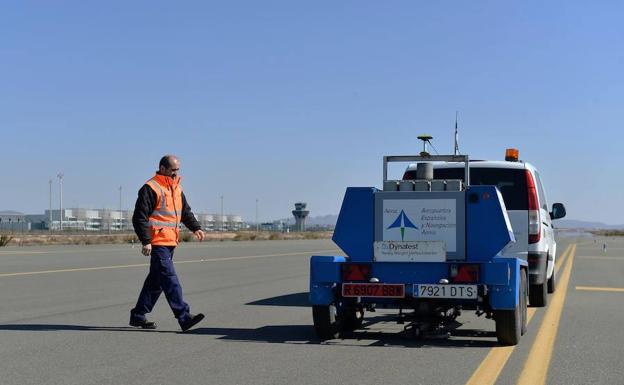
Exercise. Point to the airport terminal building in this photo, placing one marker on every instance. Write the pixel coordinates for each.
(83, 219)
(13, 221)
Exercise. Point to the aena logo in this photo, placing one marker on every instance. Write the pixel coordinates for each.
(402, 222)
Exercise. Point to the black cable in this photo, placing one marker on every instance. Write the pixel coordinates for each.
(432, 146)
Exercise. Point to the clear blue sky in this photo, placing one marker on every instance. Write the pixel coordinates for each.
(286, 101)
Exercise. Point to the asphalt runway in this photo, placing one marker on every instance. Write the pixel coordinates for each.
(64, 312)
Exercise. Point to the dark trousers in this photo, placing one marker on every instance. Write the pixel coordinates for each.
(161, 278)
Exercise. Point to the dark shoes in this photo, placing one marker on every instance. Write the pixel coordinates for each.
(142, 323)
(191, 321)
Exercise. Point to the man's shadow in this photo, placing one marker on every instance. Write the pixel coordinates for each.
(63, 327)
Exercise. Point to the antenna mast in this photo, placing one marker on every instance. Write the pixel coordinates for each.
(456, 151)
(425, 139)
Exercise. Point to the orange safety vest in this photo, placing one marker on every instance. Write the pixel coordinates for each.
(165, 219)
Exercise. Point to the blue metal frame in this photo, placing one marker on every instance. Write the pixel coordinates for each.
(487, 225)
(324, 276)
(355, 227)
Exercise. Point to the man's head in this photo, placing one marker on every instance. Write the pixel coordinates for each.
(169, 166)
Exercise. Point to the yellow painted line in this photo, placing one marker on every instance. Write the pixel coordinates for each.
(535, 369)
(6, 252)
(492, 365)
(72, 270)
(175, 262)
(99, 248)
(83, 251)
(593, 288)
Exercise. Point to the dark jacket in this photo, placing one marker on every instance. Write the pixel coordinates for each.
(145, 205)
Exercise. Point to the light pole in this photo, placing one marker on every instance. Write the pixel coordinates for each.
(257, 224)
(222, 218)
(50, 213)
(120, 212)
(60, 176)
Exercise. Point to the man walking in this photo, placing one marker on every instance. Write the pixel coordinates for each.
(159, 209)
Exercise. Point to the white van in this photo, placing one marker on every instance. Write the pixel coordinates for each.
(523, 192)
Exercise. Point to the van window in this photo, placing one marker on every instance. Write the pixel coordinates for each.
(541, 192)
(510, 182)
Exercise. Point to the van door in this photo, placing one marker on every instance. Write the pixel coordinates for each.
(547, 228)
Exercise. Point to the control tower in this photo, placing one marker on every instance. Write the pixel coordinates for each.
(300, 214)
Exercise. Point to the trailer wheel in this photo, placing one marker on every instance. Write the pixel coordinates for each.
(352, 318)
(552, 282)
(325, 321)
(510, 323)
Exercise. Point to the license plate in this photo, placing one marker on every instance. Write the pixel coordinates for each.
(380, 290)
(446, 291)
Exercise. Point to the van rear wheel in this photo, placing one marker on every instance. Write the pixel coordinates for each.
(538, 295)
(552, 282)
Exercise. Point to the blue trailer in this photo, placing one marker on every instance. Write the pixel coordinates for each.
(428, 248)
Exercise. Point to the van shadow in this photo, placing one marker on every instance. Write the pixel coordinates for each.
(294, 300)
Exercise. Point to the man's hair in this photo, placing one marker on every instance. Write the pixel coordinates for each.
(165, 161)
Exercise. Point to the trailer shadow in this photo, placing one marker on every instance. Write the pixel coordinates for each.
(367, 336)
(304, 334)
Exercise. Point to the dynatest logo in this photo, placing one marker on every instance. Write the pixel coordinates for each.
(402, 222)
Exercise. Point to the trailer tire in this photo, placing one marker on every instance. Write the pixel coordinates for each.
(325, 319)
(511, 323)
(352, 318)
(552, 282)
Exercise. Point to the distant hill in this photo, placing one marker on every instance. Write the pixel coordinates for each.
(576, 224)
(321, 220)
(325, 220)
(561, 223)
